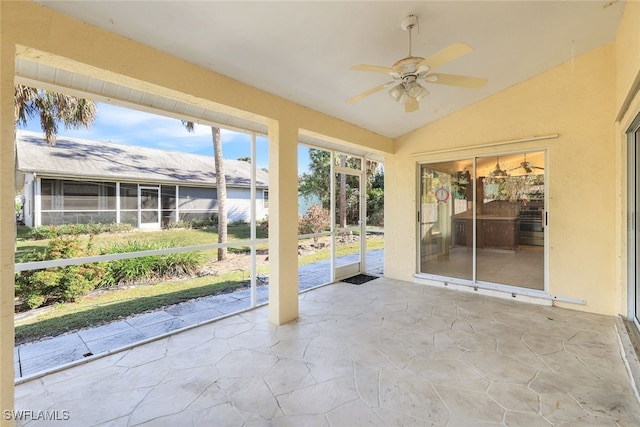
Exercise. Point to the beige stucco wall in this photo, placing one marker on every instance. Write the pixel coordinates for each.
(32, 31)
(575, 100)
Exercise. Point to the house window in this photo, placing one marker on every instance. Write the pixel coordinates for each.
(265, 199)
(69, 202)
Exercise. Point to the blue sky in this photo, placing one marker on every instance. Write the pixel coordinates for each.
(125, 126)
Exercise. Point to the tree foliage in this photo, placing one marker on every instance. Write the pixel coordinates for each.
(317, 182)
(315, 220)
(52, 108)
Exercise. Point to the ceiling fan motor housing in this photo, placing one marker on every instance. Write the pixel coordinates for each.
(409, 22)
(409, 65)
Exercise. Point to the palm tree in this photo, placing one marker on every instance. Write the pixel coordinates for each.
(52, 108)
(221, 186)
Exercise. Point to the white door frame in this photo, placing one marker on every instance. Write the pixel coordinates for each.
(149, 225)
(351, 269)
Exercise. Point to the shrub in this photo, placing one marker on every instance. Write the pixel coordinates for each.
(61, 284)
(375, 207)
(315, 220)
(52, 231)
(264, 225)
(135, 270)
(193, 223)
(42, 287)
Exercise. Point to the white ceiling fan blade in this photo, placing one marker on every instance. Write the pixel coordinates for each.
(368, 92)
(447, 54)
(411, 105)
(376, 69)
(456, 80)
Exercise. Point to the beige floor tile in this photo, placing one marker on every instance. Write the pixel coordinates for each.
(319, 398)
(523, 419)
(557, 408)
(288, 375)
(473, 405)
(497, 367)
(354, 413)
(405, 393)
(251, 398)
(299, 420)
(515, 397)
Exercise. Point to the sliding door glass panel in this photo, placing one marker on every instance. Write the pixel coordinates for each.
(446, 219)
(510, 220)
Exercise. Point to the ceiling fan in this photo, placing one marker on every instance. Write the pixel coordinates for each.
(527, 166)
(408, 71)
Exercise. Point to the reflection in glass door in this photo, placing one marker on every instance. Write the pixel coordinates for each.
(149, 207)
(510, 214)
(483, 220)
(446, 219)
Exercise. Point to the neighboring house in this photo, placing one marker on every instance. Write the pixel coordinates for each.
(81, 181)
(306, 201)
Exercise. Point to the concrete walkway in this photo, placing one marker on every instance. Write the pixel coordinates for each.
(48, 354)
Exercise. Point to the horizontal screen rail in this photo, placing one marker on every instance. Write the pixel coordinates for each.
(39, 265)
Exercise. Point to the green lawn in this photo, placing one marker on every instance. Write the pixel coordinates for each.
(108, 306)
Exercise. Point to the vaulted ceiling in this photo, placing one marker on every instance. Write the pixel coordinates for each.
(303, 51)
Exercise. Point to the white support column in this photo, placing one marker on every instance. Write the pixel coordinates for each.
(283, 222)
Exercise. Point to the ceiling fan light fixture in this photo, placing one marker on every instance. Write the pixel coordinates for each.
(498, 173)
(415, 90)
(397, 91)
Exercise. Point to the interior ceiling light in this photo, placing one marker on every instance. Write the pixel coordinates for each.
(497, 172)
(412, 69)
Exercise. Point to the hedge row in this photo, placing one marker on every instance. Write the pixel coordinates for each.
(53, 231)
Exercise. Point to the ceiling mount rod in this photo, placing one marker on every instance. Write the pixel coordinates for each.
(490, 144)
(407, 24)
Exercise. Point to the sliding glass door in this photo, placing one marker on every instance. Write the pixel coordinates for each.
(482, 220)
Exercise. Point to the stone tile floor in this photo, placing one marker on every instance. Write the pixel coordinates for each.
(385, 353)
(51, 353)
